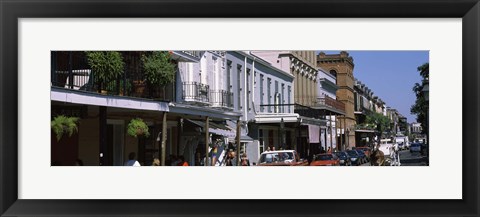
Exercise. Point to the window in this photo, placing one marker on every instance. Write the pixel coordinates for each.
(261, 145)
(277, 102)
(269, 94)
(333, 72)
(249, 100)
(282, 108)
(239, 87)
(289, 96)
(262, 108)
(229, 71)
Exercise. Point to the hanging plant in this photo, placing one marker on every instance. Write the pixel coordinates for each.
(159, 70)
(106, 65)
(137, 127)
(64, 125)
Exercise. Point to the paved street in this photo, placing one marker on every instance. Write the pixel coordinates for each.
(412, 159)
(409, 159)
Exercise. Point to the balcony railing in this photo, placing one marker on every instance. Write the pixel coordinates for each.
(309, 112)
(196, 92)
(330, 102)
(221, 98)
(70, 70)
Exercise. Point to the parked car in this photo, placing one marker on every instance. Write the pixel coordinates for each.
(281, 158)
(344, 158)
(415, 147)
(325, 160)
(366, 150)
(354, 157)
(363, 157)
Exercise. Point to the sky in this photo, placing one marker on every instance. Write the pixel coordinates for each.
(391, 75)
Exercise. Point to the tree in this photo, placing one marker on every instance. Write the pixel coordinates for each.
(420, 108)
(381, 122)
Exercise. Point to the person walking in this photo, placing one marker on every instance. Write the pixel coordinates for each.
(231, 158)
(131, 160)
(245, 161)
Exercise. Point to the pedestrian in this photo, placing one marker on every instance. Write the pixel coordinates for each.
(131, 160)
(245, 161)
(182, 161)
(230, 158)
(156, 162)
(329, 150)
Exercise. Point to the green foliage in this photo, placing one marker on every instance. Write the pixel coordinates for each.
(137, 127)
(159, 71)
(63, 124)
(420, 107)
(380, 122)
(112, 87)
(106, 65)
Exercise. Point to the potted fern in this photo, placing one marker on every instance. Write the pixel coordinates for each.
(107, 66)
(159, 70)
(64, 125)
(137, 127)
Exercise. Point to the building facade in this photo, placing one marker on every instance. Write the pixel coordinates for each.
(342, 66)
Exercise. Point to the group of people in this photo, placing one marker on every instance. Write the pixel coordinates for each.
(231, 159)
(172, 161)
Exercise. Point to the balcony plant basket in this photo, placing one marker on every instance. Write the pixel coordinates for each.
(62, 125)
(159, 72)
(137, 127)
(107, 66)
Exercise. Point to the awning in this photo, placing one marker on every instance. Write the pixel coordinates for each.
(95, 99)
(214, 128)
(245, 138)
(276, 118)
(365, 131)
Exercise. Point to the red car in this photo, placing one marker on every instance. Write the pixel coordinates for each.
(325, 160)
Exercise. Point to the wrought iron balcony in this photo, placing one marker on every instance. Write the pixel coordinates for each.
(221, 98)
(329, 102)
(196, 92)
(70, 70)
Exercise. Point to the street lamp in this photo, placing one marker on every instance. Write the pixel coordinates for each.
(425, 92)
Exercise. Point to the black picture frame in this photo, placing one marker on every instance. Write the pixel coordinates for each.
(11, 11)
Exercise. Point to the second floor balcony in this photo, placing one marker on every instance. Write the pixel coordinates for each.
(329, 102)
(70, 70)
(196, 92)
(221, 98)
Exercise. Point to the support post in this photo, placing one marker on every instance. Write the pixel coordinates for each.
(331, 132)
(164, 137)
(341, 128)
(207, 138)
(239, 134)
(345, 131)
(103, 135)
